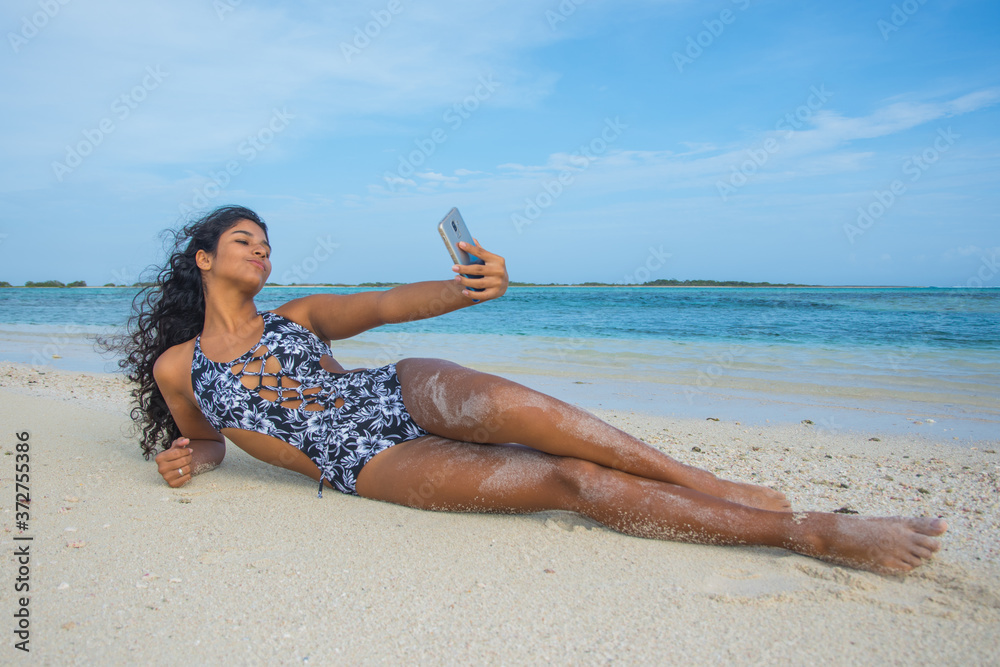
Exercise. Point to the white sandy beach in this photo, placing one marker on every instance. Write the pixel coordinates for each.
(245, 565)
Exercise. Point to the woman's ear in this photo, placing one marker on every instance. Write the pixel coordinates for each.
(203, 260)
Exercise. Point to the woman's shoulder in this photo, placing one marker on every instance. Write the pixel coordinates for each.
(298, 311)
(174, 362)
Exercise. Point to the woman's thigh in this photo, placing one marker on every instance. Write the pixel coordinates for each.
(438, 473)
(452, 401)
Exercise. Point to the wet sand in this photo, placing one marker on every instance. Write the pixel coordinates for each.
(245, 564)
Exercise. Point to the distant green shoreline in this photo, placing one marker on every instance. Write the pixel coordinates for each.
(80, 284)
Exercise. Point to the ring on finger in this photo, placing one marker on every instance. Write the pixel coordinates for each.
(180, 471)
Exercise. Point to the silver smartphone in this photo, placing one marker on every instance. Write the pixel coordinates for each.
(453, 230)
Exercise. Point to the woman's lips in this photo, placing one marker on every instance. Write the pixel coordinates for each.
(257, 264)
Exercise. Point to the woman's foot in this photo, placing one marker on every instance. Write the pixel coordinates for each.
(891, 545)
(750, 495)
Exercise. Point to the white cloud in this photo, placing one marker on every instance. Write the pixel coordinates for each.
(434, 176)
(516, 167)
(224, 77)
(825, 148)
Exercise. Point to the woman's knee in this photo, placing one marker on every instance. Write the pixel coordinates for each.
(578, 479)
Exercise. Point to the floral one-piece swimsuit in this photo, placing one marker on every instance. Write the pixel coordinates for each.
(340, 421)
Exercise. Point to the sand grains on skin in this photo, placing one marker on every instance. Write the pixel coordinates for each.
(752, 495)
(419, 587)
(886, 545)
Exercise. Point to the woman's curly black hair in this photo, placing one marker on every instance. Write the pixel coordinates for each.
(169, 311)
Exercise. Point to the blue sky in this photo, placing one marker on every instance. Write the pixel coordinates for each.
(844, 143)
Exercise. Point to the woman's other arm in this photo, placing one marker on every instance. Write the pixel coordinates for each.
(201, 447)
(187, 457)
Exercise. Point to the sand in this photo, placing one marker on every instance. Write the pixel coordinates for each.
(245, 565)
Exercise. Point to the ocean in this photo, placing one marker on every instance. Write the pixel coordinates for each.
(868, 358)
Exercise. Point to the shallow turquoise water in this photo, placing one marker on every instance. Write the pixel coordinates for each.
(899, 352)
(823, 317)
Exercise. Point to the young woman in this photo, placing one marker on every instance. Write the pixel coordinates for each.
(425, 433)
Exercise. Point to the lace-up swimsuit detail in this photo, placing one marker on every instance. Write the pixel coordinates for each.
(279, 388)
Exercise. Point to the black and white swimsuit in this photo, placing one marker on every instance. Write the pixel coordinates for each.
(340, 421)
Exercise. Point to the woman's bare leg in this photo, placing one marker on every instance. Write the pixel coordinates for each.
(460, 403)
(442, 474)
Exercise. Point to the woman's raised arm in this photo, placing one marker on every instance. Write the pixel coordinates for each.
(339, 316)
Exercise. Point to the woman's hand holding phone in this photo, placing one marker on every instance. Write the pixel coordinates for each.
(482, 281)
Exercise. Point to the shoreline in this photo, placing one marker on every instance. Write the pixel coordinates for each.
(247, 551)
(835, 389)
(602, 285)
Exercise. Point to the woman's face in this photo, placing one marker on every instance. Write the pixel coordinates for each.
(243, 254)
